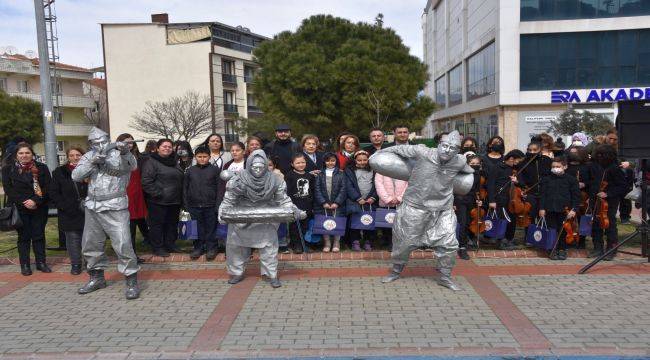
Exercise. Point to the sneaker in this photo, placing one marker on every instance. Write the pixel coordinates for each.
(195, 254)
(625, 221)
(367, 246)
(356, 245)
(562, 254)
(554, 255)
(211, 254)
(283, 250)
(161, 253)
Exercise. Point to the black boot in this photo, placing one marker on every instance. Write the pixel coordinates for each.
(25, 269)
(132, 288)
(597, 251)
(41, 266)
(75, 269)
(96, 282)
(211, 254)
(394, 273)
(462, 253)
(195, 254)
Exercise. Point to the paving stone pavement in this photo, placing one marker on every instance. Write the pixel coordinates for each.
(361, 312)
(52, 317)
(585, 311)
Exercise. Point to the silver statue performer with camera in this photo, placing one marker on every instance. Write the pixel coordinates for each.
(254, 204)
(107, 168)
(426, 216)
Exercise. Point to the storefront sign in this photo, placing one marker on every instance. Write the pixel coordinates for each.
(540, 119)
(599, 95)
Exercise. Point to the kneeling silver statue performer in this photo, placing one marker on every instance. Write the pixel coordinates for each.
(254, 205)
(107, 167)
(426, 216)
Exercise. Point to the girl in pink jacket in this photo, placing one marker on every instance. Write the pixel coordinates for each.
(390, 192)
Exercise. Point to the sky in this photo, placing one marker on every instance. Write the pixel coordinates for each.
(80, 35)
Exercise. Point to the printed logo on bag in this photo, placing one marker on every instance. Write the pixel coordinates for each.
(537, 235)
(488, 225)
(366, 219)
(329, 225)
(390, 217)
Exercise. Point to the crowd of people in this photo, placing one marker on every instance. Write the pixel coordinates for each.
(550, 180)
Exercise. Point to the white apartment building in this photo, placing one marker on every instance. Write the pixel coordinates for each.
(19, 76)
(509, 67)
(158, 60)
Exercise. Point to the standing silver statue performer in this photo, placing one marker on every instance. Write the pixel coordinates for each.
(107, 167)
(254, 205)
(426, 216)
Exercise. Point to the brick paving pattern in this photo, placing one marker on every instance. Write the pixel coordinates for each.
(361, 312)
(585, 311)
(51, 317)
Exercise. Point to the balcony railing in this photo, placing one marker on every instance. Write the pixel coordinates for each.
(254, 109)
(248, 79)
(229, 79)
(66, 101)
(231, 138)
(72, 129)
(230, 108)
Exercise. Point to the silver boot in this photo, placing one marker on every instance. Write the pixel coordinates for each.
(444, 266)
(96, 282)
(394, 273)
(132, 288)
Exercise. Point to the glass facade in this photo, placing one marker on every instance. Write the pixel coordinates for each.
(534, 10)
(480, 73)
(441, 92)
(597, 59)
(456, 85)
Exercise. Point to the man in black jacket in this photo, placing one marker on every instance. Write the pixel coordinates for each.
(377, 141)
(401, 133)
(201, 199)
(282, 148)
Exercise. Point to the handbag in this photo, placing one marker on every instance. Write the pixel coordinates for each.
(10, 218)
(329, 225)
(540, 236)
(364, 220)
(222, 231)
(494, 226)
(385, 217)
(585, 224)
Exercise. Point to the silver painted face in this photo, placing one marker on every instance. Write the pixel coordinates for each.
(446, 151)
(99, 143)
(258, 169)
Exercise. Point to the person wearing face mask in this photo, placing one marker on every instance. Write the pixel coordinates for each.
(162, 182)
(609, 185)
(107, 169)
(469, 145)
(499, 181)
(559, 192)
(254, 187)
(494, 154)
(426, 216)
(581, 169)
(533, 169)
(463, 205)
(68, 195)
(184, 154)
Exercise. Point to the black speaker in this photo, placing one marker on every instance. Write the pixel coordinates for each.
(633, 126)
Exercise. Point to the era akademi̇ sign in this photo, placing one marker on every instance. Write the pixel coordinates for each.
(599, 95)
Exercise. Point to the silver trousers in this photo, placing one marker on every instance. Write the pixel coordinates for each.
(115, 225)
(415, 228)
(237, 257)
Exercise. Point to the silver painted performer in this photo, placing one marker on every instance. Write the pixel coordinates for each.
(107, 167)
(426, 216)
(254, 204)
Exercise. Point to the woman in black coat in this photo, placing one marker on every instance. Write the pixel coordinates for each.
(162, 183)
(68, 196)
(26, 183)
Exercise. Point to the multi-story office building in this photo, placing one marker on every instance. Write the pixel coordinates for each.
(19, 76)
(509, 67)
(159, 60)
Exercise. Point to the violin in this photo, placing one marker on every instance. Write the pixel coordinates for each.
(602, 206)
(517, 206)
(584, 197)
(477, 225)
(570, 227)
(482, 190)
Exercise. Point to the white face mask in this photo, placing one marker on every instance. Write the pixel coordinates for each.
(557, 171)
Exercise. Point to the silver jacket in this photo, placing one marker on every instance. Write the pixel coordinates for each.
(108, 181)
(431, 182)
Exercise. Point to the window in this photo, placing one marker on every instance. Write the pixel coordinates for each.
(23, 86)
(58, 116)
(3, 84)
(250, 100)
(532, 10)
(58, 88)
(441, 92)
(480, 73)
(455, 86)
(60, 146)
(228, 67)
(582, 60)
(229, 102)
(249, 74)
(231, 135)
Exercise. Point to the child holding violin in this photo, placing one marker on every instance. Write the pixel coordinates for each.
(464, 204)
(609, 187)
(581, 169)
(534, 168)
(500, 180)
(559, 201)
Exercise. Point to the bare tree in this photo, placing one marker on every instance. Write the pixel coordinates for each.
(182, 117)
(97, 116)
(377, 104)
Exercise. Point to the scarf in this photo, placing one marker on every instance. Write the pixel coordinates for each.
(22, 168)
(258, 189)
(71, 166)
(33, 169)
(167, 161)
